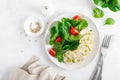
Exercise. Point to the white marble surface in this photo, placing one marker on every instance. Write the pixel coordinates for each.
(16, 48)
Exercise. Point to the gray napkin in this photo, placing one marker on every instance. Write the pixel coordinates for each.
(32, 70)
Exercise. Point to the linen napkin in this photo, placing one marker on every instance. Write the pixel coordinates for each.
(32, 70)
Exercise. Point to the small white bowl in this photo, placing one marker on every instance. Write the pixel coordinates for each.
(33, 19)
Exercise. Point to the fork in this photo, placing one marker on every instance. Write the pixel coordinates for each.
(97, 73)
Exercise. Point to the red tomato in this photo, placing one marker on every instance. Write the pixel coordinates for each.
(52, 52)
(76, 17)
(73, 31)
(58, 39)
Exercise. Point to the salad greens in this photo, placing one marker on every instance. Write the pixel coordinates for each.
(113, 5)
(61, 30)
(102, 3)
(109, 21)
(97, 13)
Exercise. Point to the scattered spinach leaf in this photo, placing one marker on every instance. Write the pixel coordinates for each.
(97, 13)
(109, 21)
(102, 3)
(113, 5)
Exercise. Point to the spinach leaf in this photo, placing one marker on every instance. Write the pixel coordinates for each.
(82, 25)
(102, 3)
(96, 2)
(114, 5)
(105, 5)
(109, 21)
(60, 28)
(79, 24)
(107, 1)
(63, 29)
(59, 56)
(66, 47)
(70, 22)
(71, 45)
(97, 13)
(54, 33)
(74, 45)
(57, 46)
(66, 22)
(66, 19)
(75, 22)
(74, 38)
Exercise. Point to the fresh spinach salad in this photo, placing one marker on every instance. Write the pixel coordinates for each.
(113, 5)
(65, 35)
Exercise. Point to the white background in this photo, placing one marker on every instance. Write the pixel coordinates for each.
(16, 48)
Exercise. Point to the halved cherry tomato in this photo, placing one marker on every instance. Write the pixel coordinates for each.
(73, 31)
(58, 39)
(76, 17)
(52, 52)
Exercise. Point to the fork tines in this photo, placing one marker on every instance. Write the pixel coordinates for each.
(106, 41)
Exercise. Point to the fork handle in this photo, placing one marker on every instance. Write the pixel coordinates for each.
(100, 74)
(96, 75)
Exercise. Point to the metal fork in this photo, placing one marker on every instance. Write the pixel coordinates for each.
(97, 73)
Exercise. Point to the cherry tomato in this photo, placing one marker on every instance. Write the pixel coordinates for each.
(76, 17)
(73, 31)
(58, 39)
(52, 52)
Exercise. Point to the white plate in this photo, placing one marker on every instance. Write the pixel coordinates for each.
(89, 58)
(104, 9)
